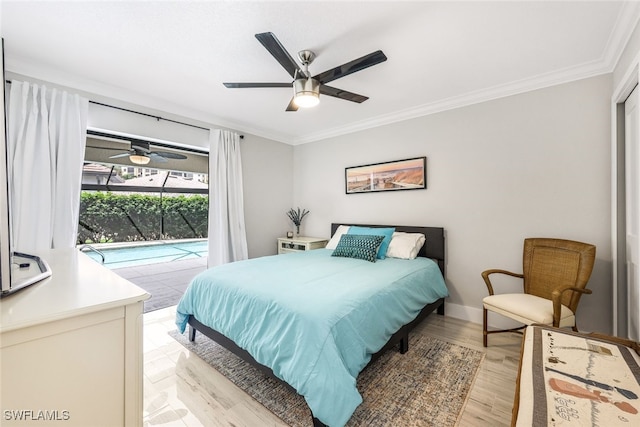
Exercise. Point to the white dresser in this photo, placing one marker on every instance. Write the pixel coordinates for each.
(71, 347)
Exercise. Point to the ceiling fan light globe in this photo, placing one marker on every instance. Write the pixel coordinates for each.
(139, 160)
(306, 101)
(306, 92)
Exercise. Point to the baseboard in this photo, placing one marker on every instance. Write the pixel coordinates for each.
(472, 314)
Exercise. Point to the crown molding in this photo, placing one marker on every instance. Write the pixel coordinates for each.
(541, 81)
(626, 23)
(96, 91)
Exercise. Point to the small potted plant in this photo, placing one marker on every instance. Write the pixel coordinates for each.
(296, 217)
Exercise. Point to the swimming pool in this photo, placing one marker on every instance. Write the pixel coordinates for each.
(129, 256)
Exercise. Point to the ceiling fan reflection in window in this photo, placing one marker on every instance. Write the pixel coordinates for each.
(141, 154)
(307, 88)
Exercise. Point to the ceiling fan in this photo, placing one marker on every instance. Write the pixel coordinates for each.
(141, 154)
(307, 88)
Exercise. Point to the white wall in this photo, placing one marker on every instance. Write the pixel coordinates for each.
(528, 165)
(267, 180)
(534, 164)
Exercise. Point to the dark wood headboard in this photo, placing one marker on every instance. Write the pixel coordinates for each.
(433, 247)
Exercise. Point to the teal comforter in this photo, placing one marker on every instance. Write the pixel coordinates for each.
(314, 319)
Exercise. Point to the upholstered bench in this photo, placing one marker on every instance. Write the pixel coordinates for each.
(567, 378)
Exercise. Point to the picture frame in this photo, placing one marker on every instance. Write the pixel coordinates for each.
(396, 175)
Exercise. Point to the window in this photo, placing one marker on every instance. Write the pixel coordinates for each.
(122, 202)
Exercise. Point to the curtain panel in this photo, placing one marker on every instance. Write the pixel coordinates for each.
(46, 139)
(227, 234)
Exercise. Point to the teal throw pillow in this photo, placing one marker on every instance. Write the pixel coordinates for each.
(387, 233)
(359, 247)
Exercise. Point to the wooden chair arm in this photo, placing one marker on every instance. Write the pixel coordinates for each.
(556, 297)
(485, 275)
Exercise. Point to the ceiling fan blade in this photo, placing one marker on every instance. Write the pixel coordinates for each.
(168, 155)
(244, 85)
(155, 157)
(351, 67)
(117, 156)
(292, 106)
(275, 48)
(342, 94)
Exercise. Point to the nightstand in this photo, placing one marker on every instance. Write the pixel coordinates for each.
(299, 244)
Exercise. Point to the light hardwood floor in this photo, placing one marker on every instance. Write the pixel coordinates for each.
(181, 390)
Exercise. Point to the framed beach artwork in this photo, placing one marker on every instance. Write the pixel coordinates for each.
(407, 174)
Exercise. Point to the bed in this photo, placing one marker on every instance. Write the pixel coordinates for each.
(314, 320)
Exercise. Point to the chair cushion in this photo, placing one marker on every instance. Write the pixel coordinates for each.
(528, 309)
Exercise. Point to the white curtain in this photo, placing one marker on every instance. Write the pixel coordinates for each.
(227, 234)
(47, 137)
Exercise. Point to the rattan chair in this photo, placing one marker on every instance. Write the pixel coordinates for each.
(555, 275)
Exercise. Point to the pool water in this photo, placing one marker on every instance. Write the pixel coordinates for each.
(130, 256)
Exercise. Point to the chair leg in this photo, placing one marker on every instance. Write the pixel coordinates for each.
(484, 326)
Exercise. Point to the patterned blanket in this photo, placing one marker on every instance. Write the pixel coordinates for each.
(569, 379)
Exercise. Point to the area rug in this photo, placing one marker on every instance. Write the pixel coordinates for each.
(427, 386)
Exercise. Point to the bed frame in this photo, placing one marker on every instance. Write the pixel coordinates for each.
(433, 248)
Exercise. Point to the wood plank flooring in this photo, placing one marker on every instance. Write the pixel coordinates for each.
(181, 390)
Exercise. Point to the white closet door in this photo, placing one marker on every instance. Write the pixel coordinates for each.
(632, 155)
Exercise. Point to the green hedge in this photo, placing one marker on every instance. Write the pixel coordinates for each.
(112, 217)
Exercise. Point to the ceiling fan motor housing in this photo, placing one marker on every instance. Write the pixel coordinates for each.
(140, 146)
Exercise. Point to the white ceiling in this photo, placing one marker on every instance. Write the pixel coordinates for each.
(174, 56)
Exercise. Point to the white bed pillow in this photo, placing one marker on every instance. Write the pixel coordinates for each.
(342, 229)
(405, 245)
